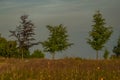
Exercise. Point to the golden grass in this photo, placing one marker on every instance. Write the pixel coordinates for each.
(62, 69)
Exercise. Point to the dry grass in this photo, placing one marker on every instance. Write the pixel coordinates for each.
(62, 69)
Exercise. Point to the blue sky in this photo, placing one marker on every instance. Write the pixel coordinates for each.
(76, 15)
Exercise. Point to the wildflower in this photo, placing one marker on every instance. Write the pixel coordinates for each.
(49, 75)
(48, 63)
(101, 79)
(98, 68)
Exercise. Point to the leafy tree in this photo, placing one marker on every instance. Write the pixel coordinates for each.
(106, 54)
(8, 48)
(37, 54)
(57, 41)
(3, 43)
(11, 49)
(24, 34)
(100, 33)
(116, 49)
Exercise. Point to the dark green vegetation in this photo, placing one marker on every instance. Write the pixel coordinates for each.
(106, 54)
(100, 34)
(37, 54)
(8, 48)
(116, 49)
(63, 69)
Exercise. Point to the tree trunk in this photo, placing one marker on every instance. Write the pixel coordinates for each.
(97, 55)
(22, 54)
(21, 51)
(53, 56)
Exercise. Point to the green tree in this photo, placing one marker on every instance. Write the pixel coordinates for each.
(11, 49)
(3, 43)
(24, 35)
(106, 54)
(7, 48)
(116, 49)
(57, 41)
(37, 54)
(100, 34)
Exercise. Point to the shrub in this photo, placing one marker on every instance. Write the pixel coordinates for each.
(37, 54)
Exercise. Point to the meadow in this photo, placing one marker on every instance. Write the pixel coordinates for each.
(61, 69)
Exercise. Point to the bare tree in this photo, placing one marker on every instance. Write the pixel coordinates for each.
(24, 34)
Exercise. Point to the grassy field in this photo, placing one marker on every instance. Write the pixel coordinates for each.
(62, 69)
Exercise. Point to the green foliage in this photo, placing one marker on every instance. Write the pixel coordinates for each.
(8, 48)
(24, 53)
(3, 43)
(57, 41)
(106, 54)
(116, 49)
(114, 57)
(99, 34)
(37, 54)
(11, 49)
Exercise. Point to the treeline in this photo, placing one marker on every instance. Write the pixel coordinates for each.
(9, 49)
(57, 40)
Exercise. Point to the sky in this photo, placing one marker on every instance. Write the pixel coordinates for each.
(76, 15)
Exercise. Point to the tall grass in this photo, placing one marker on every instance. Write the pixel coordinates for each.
(63, 69)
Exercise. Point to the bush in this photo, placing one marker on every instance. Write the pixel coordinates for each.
(114, 57)
(106, 54)
(37, 54)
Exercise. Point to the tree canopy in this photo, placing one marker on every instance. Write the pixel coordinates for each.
(57, 41)
(116, 49)
(37, 54)
(8, 49)
(100, 34)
